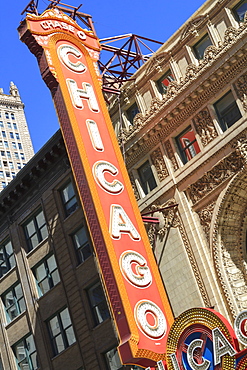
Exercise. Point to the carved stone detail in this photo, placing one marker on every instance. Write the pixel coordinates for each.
(159, 163)
(205, 216)
(133, 184)
(171, 155)
(205, 127)
(157, 62)
(192, 27)
(241, 87)
(213, 178)
(169, 217)
(228, 243)
(211, 55)
(241, 147)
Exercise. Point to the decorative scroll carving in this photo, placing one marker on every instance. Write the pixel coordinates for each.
(205, 216)
(159, 163)
(241, 147)
(212, 179)
(157, 63)
(241, 87)
(171, 155)
(192, 27)
(205, 127)
(168, 218)
(132, 180)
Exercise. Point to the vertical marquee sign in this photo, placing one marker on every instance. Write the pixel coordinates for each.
(67, 57)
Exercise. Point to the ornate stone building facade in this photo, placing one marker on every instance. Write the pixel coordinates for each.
(186, 155)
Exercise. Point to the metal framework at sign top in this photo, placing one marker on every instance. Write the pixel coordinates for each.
(118, 63)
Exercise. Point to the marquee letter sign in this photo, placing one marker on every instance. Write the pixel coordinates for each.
(67, 57)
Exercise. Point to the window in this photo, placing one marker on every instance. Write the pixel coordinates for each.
(1, 174)
(5, 163)
(3, 134)
(13, 301)
(11, 166)
(187, 145)
(18, 166)
(9, 125)
(98, 303)
(201, 46)
(113, 360)
(15, 126)
(82, 245)
(46, 275)
(6, 115)
(19, 145)
(164, 82)
(8, 154)
(7, 258)
(22, 156)
(11, 134)
(227, 111)
(2, 153)
(132, 112)
(17, 136)
(6, 144)
(1, 123)
(13, 174)
(61, 331)
(25, 354)
(69, 198)
(14, 145)
(239, 10)
(7, 174)
(35, 230)
(16, 155)
(4, 184)
(12, 116)
(147, 180)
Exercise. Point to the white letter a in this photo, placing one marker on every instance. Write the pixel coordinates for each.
(120, 223)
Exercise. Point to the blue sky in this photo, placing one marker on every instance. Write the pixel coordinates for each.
(156, 19)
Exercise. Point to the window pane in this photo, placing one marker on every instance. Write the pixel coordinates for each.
(30, 227)
(46, 274)
(147, 179)
(40, 272)
(98, 303)
(113, 360)
(187, 145)
(69, 199)
(132, 112)
(54, 325)
(201, 46)
(51, 262)
(70, 335)
(59, 343)
(62, 334)
(227, 111)
(65, 318)
(36, 230)
(164, 82)
(240, 10)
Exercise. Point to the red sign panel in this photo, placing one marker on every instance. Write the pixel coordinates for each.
(67, 58)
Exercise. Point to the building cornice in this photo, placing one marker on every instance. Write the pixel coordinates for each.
(181, 101)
